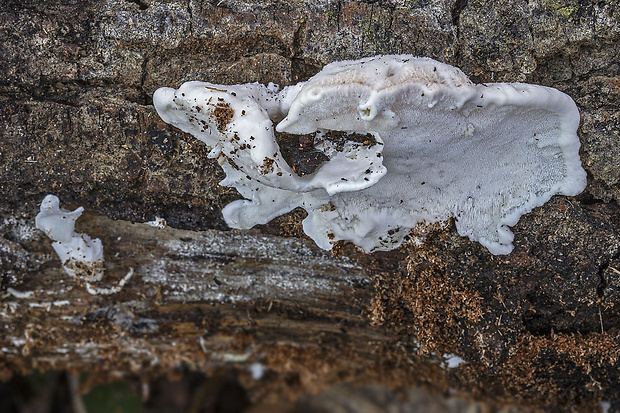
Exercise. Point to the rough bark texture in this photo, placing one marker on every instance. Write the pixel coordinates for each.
(538, 327)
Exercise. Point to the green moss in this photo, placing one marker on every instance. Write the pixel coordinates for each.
(566, 9)
(330, 17)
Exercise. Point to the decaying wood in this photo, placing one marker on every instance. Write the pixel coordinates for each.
(205, 301)
(188, 286)
(537, 327)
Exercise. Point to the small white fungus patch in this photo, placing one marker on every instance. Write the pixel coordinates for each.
(19, 294)
(257, 371)
(158, 223)
(453, 361)
(80, 255)
(605, 406)
(438, 147)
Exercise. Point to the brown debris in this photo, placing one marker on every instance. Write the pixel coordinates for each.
(223, 114)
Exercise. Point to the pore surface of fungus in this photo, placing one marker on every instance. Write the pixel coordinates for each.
(406, 140)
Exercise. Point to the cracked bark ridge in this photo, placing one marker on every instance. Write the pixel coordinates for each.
(537, 327)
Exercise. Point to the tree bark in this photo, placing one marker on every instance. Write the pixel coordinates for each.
(536, 327)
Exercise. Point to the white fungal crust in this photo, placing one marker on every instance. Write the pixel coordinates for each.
(81, 256)
(439, 147)
(237, 122)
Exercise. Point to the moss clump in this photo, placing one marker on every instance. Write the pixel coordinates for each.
(565, 10)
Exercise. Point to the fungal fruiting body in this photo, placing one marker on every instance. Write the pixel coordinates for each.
(81, 256)
(437, 147)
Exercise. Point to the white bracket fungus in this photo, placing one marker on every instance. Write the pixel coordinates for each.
(80, 255)
(422, 144)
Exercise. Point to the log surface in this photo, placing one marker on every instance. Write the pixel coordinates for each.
(537, 327)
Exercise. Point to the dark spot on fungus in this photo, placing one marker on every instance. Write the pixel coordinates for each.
(267, 166)
(223, 114)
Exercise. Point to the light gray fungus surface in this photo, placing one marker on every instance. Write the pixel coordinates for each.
(433, 146)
